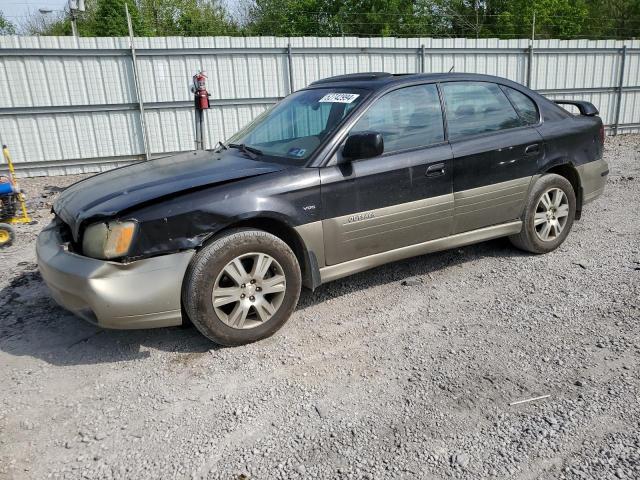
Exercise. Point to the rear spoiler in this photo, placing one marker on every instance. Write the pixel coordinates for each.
(586, 108)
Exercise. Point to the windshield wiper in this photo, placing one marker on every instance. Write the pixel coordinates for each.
(223, 145)
(250, 151)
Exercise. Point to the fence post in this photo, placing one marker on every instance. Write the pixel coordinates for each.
(529, 64)
(623, 56)
(290, 64)
(422, 53)
(136, 80)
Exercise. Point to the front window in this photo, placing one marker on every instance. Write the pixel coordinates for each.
(294, 129)
(407, 118)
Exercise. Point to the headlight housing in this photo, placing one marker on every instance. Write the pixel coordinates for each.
(108, 240)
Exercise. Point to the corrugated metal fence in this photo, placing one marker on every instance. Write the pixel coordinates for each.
(69, 105)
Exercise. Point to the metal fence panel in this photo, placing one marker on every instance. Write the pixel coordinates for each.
(69, 105)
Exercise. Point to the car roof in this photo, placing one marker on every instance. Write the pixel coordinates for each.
(382, 80)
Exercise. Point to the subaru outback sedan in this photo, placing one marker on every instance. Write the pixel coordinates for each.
(349, 173)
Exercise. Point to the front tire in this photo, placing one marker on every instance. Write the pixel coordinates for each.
(241, 288)
(548, 215)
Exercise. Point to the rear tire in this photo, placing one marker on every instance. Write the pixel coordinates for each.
(548, 216)
(241, 288)
(7, 235)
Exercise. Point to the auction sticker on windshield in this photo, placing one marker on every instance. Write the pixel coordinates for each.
(339, 97)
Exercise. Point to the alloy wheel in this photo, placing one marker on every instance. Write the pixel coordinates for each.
(551, 214)
(249, 290)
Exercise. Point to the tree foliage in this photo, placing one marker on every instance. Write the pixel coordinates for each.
(187, 17)
(111, 21)
(449, 18)
(6, 27)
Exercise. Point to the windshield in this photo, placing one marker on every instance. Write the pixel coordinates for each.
(294, 128)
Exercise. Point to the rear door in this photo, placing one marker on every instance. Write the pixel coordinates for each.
(400, 198)
(496, 150)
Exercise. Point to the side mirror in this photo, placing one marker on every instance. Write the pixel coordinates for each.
(363, 145)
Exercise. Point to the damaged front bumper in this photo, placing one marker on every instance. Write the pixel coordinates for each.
(139, 294)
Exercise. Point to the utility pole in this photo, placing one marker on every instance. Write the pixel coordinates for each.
(533, 28)
(74, 26)
(75, 6)
(136, 81)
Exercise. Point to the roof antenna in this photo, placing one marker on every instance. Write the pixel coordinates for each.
(451, 69)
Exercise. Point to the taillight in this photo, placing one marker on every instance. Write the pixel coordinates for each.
(601, 134)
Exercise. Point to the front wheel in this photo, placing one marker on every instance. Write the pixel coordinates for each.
(242, 287)
(548, 215)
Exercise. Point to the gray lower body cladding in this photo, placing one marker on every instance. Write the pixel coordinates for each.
(593, 178)
(357, 242)
(366, 233)
(334, 272)
(491, 204)
(379, 233)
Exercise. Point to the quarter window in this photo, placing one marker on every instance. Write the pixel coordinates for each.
(407, 118)
(477, 107)
(524, 105)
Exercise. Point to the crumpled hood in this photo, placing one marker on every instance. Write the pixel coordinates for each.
(107, 194)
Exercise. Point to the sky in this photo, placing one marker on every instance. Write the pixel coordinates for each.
(16, 10)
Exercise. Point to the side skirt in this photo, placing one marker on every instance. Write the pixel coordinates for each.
(345, 269)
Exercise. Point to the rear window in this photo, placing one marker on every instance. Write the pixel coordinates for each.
(477, 107)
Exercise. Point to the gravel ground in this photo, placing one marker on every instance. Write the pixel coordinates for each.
(405, 371)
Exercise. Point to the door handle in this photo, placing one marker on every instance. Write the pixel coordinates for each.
(435, 170)
(532, 149)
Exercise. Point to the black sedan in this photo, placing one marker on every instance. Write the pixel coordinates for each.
(344, 175)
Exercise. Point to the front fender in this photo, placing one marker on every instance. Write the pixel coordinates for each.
(188, 220)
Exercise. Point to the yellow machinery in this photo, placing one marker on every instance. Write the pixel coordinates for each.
(12, 204)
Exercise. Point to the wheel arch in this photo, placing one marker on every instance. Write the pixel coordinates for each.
(284, 231)
(569, 171)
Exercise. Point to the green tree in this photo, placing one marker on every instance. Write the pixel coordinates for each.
(385, 18)
(614, 19)
(187, 17)
(111, 19)
(289, 17)
(554, 18)
(6, 27)
(335, 17)
(46, 24)
(451, 18)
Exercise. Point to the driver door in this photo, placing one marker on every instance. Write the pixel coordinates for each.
(399, 198)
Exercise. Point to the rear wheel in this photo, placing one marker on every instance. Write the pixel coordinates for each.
(548, 216)
(7, 235)
(242, 287)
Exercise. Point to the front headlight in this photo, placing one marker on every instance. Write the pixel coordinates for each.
(108, 240)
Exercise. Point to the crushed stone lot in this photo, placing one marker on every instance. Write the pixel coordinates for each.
(405, 371)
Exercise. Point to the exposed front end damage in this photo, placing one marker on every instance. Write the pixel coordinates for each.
(167, 209)
(139, 294)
